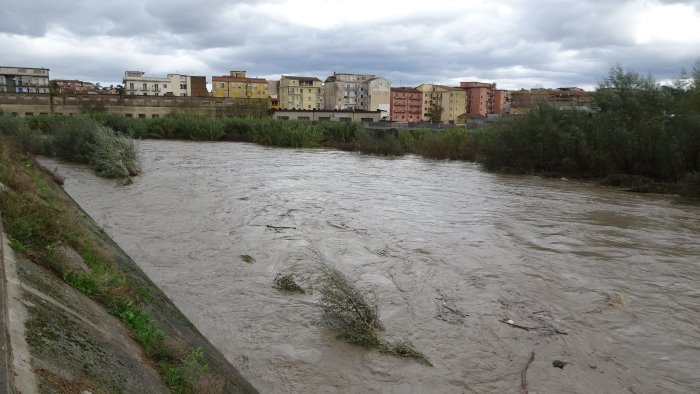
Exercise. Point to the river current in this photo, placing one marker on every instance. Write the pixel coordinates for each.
(606, 281)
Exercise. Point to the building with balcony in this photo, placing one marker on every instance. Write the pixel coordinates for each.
(238, 85)
(480, 98)
(501, 102)
(452, 101)
(24, 80)
(136, 83)
(406, 105)
(72, 86)
(342, 91)
(300, 93)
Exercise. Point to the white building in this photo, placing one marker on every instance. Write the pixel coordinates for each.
(138, 84)
(356, 92)
(24, 79)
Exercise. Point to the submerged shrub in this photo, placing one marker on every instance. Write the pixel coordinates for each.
(288, 282)
(404, 349)
(346, 309)
(114, 155)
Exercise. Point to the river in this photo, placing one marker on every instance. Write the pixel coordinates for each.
(605, 280)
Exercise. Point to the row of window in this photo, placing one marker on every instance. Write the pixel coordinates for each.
(156, 87)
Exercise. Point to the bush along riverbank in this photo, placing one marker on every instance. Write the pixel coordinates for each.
(79, 139)
(58, 242)
(643, 137)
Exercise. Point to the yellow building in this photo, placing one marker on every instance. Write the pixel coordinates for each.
(237, 85)
(453, 102)
(300, 93)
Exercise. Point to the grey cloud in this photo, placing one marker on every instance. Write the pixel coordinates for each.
(431, 45)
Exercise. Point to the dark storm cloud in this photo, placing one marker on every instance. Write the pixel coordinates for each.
(522, 43)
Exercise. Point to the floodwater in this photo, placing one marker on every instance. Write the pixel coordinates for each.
(605, 280)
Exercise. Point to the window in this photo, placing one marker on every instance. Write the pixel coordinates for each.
(183, 86)
(129, 116)
(145, 86)
(165, 86)
(155, 116)
(324, 118)
(142, 116)
(29, 114)
(155, 87)
(131, 86)
(303, 118)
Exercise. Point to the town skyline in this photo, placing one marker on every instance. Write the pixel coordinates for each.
(515, 44)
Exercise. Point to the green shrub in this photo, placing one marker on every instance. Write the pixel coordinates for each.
(114, 156)
(288, 282)
(346, 309)
(404, 349)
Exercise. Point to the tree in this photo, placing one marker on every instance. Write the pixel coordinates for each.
(434, 112)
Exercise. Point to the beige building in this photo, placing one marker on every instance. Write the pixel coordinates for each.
(136, 83)
(24, 80)
(364, 92)
(453, 102)
(300, 92)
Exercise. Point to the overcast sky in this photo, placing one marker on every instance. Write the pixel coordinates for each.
(515, 43)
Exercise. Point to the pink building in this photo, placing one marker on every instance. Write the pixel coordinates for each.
(479, 97)
(500, 99)
(406, 105)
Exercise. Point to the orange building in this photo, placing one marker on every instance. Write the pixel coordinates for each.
(406, 105)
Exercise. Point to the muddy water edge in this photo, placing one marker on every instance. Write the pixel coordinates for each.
(606, 281)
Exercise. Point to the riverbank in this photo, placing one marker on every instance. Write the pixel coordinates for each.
(90, 318)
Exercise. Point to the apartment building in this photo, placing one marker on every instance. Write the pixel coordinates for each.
(366, 92)
(452, 101)
(238, 85)
(501, 102)
(24, 80)
(136, 83)
(379, 95)
(479, 97)
(72, 86)
(406, 105)
(300, 92)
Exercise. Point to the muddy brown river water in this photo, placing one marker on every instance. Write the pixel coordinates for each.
(448, 249)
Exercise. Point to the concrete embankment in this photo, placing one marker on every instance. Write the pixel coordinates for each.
(56, 338)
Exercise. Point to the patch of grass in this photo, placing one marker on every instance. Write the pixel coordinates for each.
(85, 282)
(18, 245)
(288, 282)
(404, 349)
(38, 220)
